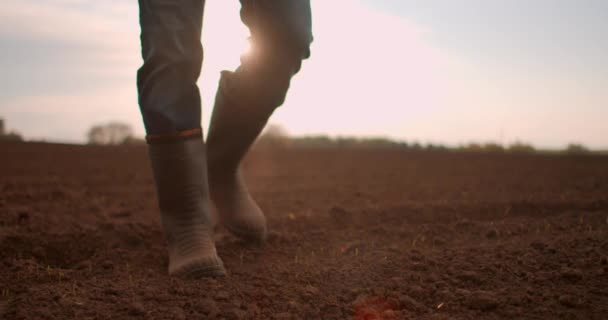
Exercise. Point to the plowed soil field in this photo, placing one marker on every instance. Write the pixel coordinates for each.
(355, 234)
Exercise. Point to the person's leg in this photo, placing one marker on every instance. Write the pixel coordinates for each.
(281, 35)
(171, 109)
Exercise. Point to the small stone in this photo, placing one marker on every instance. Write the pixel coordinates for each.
(483, 300)
(470, 276)
(492, 234)
(210, 308)
(465, 224)
(361, 299)
(540, 246)
(419, 266)
(236, 314)
(331, 311)
(294, 305)
(339, 216)
(416, 291)
(111, 291)
(569, 301)
(107, 264)
(121, 213)
(23, 216)
(277, 237)
(222, 295)
(338, 213)
(512, 312)
(137, 308)
(179, 314)
(311, 291)
(283, 316)
(439, 241)
(3, 308)
(571, 274)
(408, 303)
(253, 311)
(379, 292)
(389, 314)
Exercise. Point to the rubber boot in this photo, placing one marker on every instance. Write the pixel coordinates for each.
(183, 194)
(232, 131)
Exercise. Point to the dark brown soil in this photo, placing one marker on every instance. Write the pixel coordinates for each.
(356, 234)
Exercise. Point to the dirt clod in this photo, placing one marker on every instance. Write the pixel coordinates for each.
(209, 307)
(222, 295)
(408, 303)
(570, 274)
(137, 308)
(235, 314)
(483, 300)
(470, 276)
(569, 301)
(492, 234)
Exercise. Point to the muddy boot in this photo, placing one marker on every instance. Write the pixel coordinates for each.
(232, 130)
(183, 195)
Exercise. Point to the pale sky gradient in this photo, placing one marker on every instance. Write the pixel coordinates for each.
(441, 71)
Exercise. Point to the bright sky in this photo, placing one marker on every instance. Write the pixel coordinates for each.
(440, 71)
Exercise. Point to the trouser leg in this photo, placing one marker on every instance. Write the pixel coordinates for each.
(246, 98)
(171, 108)
(169, 98)
(281, 34)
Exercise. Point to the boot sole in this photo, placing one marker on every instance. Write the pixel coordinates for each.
(200, 270)
(253, 236)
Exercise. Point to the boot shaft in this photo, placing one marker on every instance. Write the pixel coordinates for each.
(180, 172)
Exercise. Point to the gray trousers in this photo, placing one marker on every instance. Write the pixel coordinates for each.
(169, 98)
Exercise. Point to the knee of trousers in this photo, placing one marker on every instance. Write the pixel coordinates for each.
(259, 81)
(265, 74)
(281, 35)
(286, 24)
(169, 97)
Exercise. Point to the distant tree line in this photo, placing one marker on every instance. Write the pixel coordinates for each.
(276, 137)
(6, 135)
(112, 133)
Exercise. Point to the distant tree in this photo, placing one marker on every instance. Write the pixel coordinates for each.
(313, 141)
(520, 147)
(576, 148)
(134, 141)
(416, 146)
(472, 147)
(11, 136)
(378, 142)
(347, 141)
(6, 135)
(436, 147)
(111, 133)
(493, 148)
